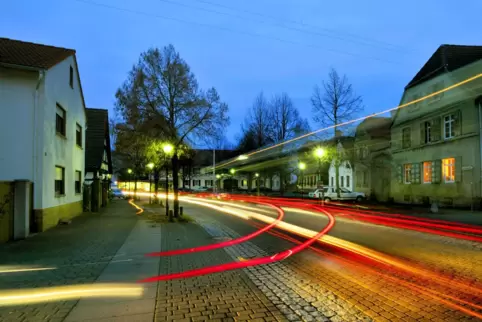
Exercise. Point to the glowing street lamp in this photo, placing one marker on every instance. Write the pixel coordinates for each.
(167, 148)
(129, 171)
(232, 171)
(257, 181)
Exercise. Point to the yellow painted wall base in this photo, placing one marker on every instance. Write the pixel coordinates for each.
(49, 217)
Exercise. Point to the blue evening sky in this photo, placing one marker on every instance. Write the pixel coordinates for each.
(286, 45)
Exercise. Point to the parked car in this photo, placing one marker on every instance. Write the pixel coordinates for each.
(329, 193)
(118, 194)
(200, 189)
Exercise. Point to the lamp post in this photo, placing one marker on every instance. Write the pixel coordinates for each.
(319, 154)
(129, 171)
(257, 182)
(232, 171)
(150, 166)
(167, 148)
(302, 167)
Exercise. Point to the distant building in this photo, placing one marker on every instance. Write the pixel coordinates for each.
(373, 161)
(42, 133)
(436, 143)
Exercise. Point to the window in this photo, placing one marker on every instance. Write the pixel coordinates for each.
(71, 77)
(448, 169)
(186, 182)
(365, 178)
(209, 183)
(332, 181)
(196, 182)
(427, 172)
(449, 128)
(78, 181)
(406, 138)
(407, 173)
(59, 180)
(60, 120)
(342, 181)
(78, 135)
(427, 132)
(348, 181)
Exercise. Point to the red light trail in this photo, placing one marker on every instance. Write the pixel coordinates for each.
(252, 262)
(225, 243)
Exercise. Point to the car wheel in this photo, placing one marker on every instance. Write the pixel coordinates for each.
(359, 199)
(327, 199)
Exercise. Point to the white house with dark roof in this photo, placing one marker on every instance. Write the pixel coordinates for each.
(41, 133)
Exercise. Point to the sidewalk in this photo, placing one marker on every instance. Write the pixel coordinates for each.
(78, 252)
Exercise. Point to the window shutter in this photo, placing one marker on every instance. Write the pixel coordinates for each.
(422, 133)
(457, 123)
(436, 129)
(400, 174)
(415, 173)
(458, 169)
(436, 171)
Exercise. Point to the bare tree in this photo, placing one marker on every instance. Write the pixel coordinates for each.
(333, 104)
(164, 92)
(257, 123)
(285, 120)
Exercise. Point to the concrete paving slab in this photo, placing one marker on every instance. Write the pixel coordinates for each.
(125, 268)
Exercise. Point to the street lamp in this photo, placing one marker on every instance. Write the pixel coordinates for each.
(167, 148)
(129, 171)
(150, 166)
(302, 167)
(257, 181)
(218, 176)
(319, 154)
(232, 171)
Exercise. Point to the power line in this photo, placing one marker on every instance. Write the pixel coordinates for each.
(364, 40)
(149, 14)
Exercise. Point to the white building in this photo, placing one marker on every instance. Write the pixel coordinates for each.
(345, 177)
(41, 133)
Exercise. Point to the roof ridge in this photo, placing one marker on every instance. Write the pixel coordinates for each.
(37, 44)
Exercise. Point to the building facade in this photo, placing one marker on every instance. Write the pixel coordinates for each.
(436, 142)
(41, 132)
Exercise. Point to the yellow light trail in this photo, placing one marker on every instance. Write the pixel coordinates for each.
(468, 80)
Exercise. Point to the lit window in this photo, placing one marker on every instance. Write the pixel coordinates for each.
(427, 172)
(407, 173)
(448, 169)
(449, 129)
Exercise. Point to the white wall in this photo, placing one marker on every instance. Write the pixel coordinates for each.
(17, 93)
(58, 150)
(345, 171)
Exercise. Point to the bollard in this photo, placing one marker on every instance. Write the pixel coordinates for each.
(181, 210)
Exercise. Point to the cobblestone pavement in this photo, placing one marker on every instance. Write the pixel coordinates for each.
(229, 296)
(79, 252)
(311, 287)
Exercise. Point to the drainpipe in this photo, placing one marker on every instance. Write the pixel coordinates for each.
(41, 76)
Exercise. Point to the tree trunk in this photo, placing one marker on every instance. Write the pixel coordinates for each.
(282, 182)
(175, 182)
(156, 186)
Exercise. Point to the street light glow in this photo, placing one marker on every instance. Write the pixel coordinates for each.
(319, 152)
(150, 165)
(242, 157)
(129, 171)
(256, 174)
(302, 165)
(167, 148)
(232, 171)
(218, 176)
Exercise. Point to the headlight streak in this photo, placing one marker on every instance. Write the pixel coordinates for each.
(225, 243)
(367, 253)
(370, 269)
(62, 293)
(23, 269)
(252, 262)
